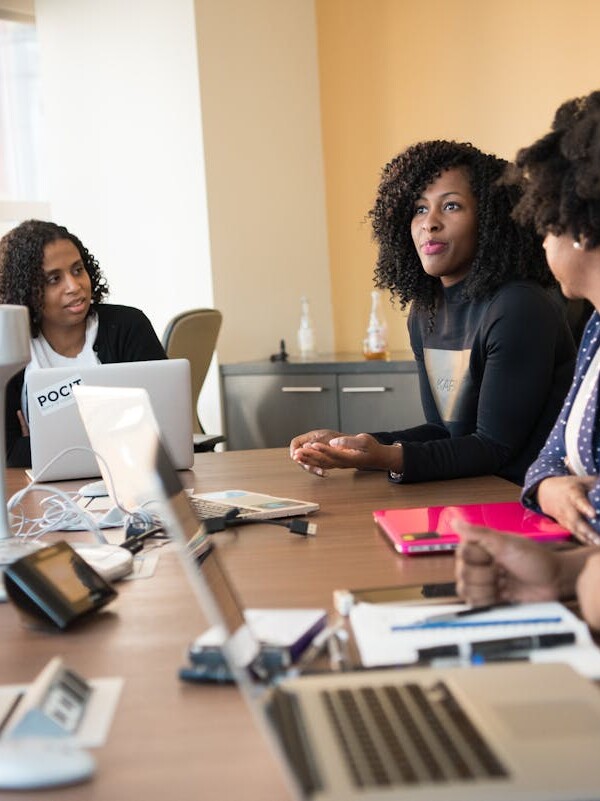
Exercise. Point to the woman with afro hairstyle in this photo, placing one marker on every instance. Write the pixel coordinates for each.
(487, 326)
(46, 268)
(561, 198)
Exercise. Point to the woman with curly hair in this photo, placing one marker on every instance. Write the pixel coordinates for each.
(46, 268)
(562, 199)
(487, 328)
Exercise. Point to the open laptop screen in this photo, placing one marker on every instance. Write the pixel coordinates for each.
(56, 426)
(123, 431)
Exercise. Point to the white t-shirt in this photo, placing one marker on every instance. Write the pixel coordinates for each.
(42, 355)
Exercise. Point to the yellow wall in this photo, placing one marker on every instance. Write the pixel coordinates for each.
(265, 187)
(394, 72)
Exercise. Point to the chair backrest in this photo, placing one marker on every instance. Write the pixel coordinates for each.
(193, 335)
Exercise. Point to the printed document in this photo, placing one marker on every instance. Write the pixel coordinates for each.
(392, 634)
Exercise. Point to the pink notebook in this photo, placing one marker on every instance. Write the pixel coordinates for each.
(428, 528)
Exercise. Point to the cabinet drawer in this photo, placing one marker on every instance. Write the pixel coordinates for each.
(267, 411)
(379, 402)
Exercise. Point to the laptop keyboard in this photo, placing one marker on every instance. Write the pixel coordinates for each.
(408, 734)
(206, 510)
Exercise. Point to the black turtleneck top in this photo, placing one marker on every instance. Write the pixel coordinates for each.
(493, 375)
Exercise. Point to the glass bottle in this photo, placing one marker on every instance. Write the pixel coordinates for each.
(306, 332)
(375, 345)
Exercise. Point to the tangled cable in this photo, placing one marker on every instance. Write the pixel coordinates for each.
(61, 511)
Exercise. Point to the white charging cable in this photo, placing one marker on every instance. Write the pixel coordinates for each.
(61, 510)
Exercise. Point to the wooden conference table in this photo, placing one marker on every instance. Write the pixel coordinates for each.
(174, 741)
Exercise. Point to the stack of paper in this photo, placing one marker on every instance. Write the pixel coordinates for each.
(392, 634)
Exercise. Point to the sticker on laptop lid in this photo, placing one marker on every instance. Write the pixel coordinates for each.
(56, 396)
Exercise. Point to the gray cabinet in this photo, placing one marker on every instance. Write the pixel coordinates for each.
(266, 411)
(378, 402)
(267, 404)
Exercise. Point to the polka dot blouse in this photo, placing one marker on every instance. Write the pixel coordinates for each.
(551, 460)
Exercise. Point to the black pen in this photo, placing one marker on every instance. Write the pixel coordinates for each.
(495, 649)
(487, 648)
(471, 610)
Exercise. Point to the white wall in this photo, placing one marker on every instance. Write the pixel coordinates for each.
(125, 150)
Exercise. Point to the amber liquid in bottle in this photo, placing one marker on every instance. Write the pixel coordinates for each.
(379, 355)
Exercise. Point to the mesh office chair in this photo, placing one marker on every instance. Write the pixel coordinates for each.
(192, 335)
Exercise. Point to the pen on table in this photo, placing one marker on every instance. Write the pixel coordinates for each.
(530, 642)
(492, 649)
(468, 612)
(472, 624)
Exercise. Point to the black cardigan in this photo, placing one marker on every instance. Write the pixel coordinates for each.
(124, 334)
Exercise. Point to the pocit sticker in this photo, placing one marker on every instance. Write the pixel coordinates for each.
(57, 396)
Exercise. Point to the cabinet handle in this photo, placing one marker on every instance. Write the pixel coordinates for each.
(302, 389)
(363, 389)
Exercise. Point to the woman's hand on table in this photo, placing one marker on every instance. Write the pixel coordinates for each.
(322, 449)
(565, 499)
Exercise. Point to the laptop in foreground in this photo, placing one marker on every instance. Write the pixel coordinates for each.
(55, 423)
(505, 732)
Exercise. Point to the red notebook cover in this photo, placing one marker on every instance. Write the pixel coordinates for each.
(427, 529)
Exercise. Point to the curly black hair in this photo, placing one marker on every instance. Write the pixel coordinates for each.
(561, 174)
(505, 249)
(21, 273)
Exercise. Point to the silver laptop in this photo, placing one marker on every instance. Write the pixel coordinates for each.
(509, 732)
(55, 423)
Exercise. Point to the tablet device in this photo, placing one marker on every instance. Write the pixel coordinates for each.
(429, 529)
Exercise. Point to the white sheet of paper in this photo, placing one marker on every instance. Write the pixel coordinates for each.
(144, 566)
(379, 644)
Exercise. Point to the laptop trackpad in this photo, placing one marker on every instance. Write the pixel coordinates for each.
(564, 718)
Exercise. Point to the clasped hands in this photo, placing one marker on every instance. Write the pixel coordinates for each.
(323, 449)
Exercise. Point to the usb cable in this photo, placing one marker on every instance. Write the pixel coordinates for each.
(231, 519)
